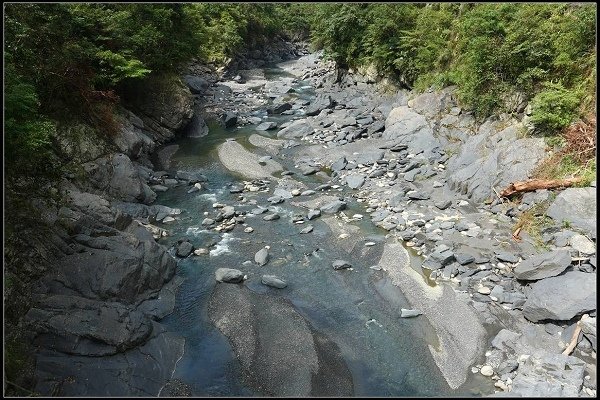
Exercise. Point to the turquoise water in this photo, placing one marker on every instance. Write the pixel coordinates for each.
(387, 356)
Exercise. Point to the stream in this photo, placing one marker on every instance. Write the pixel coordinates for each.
(358, 309)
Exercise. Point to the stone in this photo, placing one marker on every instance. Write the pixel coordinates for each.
(334, 207)
(297, 129)
(271, 217)
(406, 313)
(464, 259)
(200, 252)
(266, 126)
(279, 108)
(484, 290)
(249, 229)
(543, 265)
(339, 164)
(262, 256)
(578, 207)
(312, 214)
(321, 102)
(443, 204)
(184, 249)
(308, 229)
(229, 275)
(561, 297)
(196, 84)
(229, 119)
(418, 195)
(273, 281)
(191, 176)
(355, 181)
(507, 257)
(486, 370)
(341, 264)
(582, 244)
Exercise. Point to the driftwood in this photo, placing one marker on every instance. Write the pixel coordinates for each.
(574, 338)
(535, 184)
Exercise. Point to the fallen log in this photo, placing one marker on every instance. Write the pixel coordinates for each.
(536, 184)
(575, 337)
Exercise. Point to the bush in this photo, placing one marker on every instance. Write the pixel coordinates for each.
(554, 108)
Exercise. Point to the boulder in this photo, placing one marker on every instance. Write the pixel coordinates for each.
(229, 119)
(319, 104)
(355, 181)
(262, 256)
(543, 265)
(267, 125)
(229, 275)
(296, 129)
(334, 207)
(576, 206)
(196, 84)
(561, 297)
(184, 249)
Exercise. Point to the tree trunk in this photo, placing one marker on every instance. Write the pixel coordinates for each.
(535, 184)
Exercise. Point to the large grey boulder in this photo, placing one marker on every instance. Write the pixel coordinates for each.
(196, 84)
(403, 125)
(561, 297)
(319, 104)
(296, 129)
(578, 207)
(333, 207)
(229, 275)
(184, 249)
(543, 265)
(117, 176)
(229, 119)
(355, 181)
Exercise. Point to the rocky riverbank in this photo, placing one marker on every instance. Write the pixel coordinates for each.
(427, 172)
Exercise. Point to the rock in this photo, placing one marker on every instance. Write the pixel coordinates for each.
(406, 313)
(334, 207)
(275, 199)
(249, 229)
(578, 207)
(200, 252)
(320, 103)
(227, 212)
(444, 257)
(312, 214)
(159, 188)
(184, 249)
(340, 164)
(229, 119)
(308, 229)
(543, 265)
(582, 244)
(355, 181)
(443, 204)
(464, 259)
(484, 290)
(273, 281)
(561, 297)
(271, 217)
(279, 108)
(267, 125)
(262, 256)
(297, 129)
(308, 193)
(208, 221)
(486, 370)
(418, 195)
(341, 264)
(229, 275)
(507, 257)
(196, 84)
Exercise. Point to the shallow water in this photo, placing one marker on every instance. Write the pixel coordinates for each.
(359, 309)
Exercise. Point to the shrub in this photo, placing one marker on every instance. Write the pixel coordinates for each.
(554, 108)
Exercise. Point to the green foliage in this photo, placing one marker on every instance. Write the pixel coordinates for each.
(487, 50)
(554, 108)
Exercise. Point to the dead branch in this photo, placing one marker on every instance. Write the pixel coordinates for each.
(536, 184)
(573, 342)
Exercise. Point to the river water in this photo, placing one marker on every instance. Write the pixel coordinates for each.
(359, 310)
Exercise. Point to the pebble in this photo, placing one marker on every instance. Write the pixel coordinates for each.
(308, 229)
(343, 236)
(200, 252)
(369, 244)
(296, 192)
(486, 370)
(249, 229)
(484, 290)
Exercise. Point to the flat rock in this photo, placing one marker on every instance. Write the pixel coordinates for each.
(406, 313)
(355, 181)
(443, 204)
(418, 195)
(582, 244)
(271, 217)
(561, 297)
(341, 264)
(334, 207)
(308, 229)
(273, 281)
(312, 214)
(262, 256)
(543, 265)
(507, 257)
(267, 125)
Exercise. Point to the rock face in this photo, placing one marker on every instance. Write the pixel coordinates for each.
(578, 207)
(279, 353)
(543, 266)
(562, 297)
